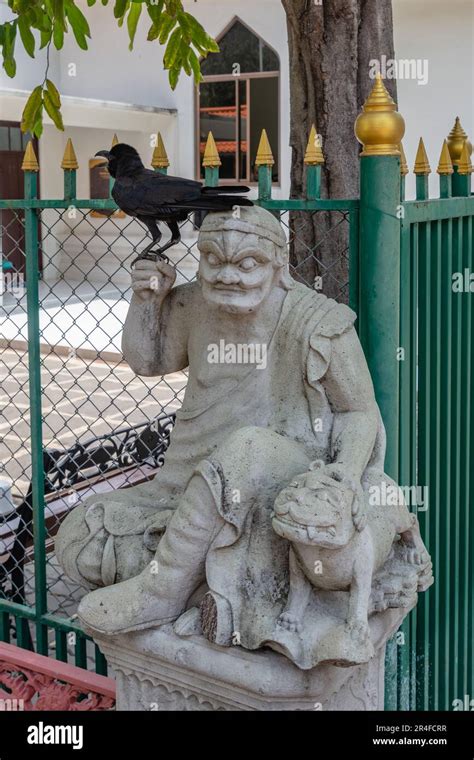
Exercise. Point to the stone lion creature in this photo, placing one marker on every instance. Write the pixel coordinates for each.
(337, 546)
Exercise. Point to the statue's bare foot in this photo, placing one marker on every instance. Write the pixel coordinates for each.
(413, 550)
(359, 632)
(290, 622)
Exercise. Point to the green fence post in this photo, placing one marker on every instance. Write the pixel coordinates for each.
(313, 161)
(380, 129)
(264, 161)
(445, 171)
(211, 162)
(31, 168)
(159, 160)
(457, 140)
(403, 171)
(115, 141)
(422, 171)
(69, 165)
(463, 172)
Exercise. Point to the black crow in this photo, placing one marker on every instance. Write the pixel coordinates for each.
(153, 197)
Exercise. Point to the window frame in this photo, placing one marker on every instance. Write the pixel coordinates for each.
(246, 76)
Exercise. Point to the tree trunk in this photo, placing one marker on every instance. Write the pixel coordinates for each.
(330, 46)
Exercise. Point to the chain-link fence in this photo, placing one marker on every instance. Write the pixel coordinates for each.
(101, 426)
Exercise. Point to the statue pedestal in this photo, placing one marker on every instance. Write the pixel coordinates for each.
(158, 670)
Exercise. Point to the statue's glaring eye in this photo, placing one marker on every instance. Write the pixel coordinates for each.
(248, 263)
(213, 260)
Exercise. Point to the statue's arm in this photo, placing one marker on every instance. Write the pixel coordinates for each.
(155, 334)
(350, 393)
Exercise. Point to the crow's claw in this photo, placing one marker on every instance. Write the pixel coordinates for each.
(150, 256)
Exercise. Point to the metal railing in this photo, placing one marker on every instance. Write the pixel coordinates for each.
(398, 258)
(62, 359)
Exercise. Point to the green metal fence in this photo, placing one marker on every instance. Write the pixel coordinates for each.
(417, 336)
(435, 431)
(58, 401)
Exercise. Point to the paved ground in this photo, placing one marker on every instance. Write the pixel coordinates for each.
(80, 399)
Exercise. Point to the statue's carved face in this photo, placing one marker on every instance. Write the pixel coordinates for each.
(314, 514)
(236, 270)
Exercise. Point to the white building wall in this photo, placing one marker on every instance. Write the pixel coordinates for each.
(434, 30)
(443, 34)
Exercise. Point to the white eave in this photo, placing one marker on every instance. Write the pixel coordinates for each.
(87, 112)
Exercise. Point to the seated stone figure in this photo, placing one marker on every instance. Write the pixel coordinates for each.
(200, 534)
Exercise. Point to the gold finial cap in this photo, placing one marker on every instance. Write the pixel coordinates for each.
(159, 160)
(403, 161)
(380, 127)
(422, 165)
(69, 159)
(115, 140)
(314, 153)
(211, 156)
(445, 165)
(30, 162)
(456, 139)
(464, 163)
(264, 152)
(379, 98)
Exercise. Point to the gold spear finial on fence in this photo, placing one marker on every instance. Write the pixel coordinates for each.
(211, 155)
(69, 159)
(380, 127)
(264, 152)
(445, 165)
(456, 139)
(159, 159)
(422, 165)
(403, 162)
(30, 162)
(464, 163)
(314, 154)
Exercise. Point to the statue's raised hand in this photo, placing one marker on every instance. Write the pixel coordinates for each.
(152, 279)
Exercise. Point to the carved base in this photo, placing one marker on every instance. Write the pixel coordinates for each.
(158, 670)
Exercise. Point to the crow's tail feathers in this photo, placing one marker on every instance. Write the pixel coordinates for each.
(222, 189)
(215, 203)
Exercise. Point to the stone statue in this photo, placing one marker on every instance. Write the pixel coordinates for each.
(332, 549)
(219, 542)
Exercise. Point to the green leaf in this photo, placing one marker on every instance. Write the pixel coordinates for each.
(8, 48)
(154, 10)
(44, 38)
(37, 128)
(172, 49)
(27, 36)
(153, 33)
(78, 20)
(52, 110)
(197, 33)
(80, 27)
(9, 65)
(167, 23)
(58, 34)
(185, 61)
(132, 22)
(120, 7)
(122, 19)
(53, 93)
(173, 77)
(32, 106)
(41, 20)
(194, 62)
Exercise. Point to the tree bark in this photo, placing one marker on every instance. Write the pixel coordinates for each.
(330, 47)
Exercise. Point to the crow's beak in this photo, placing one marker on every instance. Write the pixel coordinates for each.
(104, 154)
